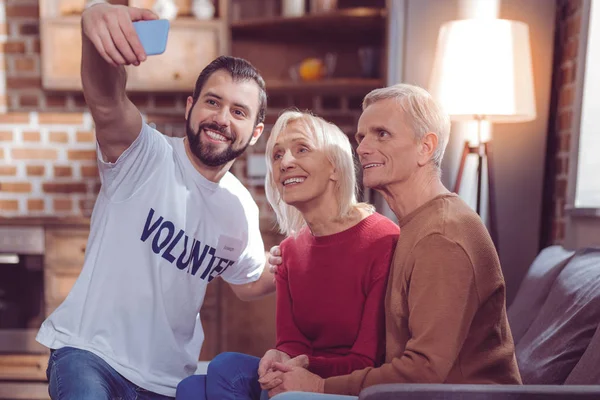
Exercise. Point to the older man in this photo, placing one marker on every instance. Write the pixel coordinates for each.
(445, 304)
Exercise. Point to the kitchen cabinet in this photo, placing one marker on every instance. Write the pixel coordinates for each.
(191, 45)
(24, 391)
(61, 53)
(23, 376)
(18, 367)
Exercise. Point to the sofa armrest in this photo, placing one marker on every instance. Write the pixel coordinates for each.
(479, 392)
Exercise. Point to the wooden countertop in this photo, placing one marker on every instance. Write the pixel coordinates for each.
(44, 221)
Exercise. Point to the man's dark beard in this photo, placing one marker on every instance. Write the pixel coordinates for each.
(207, 155)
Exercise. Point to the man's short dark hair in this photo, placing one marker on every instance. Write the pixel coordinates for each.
(240, 70)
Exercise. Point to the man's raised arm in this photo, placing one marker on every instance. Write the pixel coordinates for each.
(109, 43)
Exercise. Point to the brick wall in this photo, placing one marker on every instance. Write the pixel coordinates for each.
(568, 23)
(47, 164)
(47, 139)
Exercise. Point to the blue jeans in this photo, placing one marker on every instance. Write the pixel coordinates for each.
(311, 396)
(234, 376)
(230, 376)
(78, 374)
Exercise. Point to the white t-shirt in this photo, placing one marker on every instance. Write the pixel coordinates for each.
(159, 233)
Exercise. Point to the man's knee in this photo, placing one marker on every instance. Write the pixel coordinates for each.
(192, 387)
(291, 396)
(224, 363)
(235, 374)
(311, 396)
(78, 374)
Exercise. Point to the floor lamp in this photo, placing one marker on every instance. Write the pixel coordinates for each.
(483, 72)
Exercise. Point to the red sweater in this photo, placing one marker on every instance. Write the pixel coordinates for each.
(330, 296)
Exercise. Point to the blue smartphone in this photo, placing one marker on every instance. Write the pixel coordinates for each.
(153, 35)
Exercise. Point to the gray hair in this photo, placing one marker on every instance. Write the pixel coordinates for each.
(423, 113)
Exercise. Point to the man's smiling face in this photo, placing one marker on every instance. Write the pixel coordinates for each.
(221, 124)
(387, 147)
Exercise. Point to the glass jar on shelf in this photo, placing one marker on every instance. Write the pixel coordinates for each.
(292, 8)
(322, 6)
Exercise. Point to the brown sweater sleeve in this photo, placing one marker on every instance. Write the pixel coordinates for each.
(442, 301)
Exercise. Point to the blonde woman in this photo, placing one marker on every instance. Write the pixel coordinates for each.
(330, 289)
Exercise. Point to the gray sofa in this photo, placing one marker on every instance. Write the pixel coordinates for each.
(479, 392)
(555, 320)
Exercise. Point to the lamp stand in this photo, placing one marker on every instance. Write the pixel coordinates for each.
(483, 151)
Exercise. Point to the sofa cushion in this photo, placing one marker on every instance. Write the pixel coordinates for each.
(411, 391)
(565, 324)
(535, 287)
(587, 370)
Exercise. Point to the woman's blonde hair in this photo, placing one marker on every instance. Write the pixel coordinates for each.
(336, 145)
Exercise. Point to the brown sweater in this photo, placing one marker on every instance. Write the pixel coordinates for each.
(445, 305)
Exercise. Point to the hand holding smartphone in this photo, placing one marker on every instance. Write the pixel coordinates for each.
(153, 35)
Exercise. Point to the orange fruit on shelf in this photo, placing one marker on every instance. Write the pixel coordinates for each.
(312, 69)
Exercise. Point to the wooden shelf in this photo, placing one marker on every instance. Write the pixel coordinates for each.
(23, 367)
(188, 22)
(339, 24)
(66, 8)
(334, 85)
(192, 44)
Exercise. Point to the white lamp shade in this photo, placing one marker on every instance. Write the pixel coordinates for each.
(483, 68)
